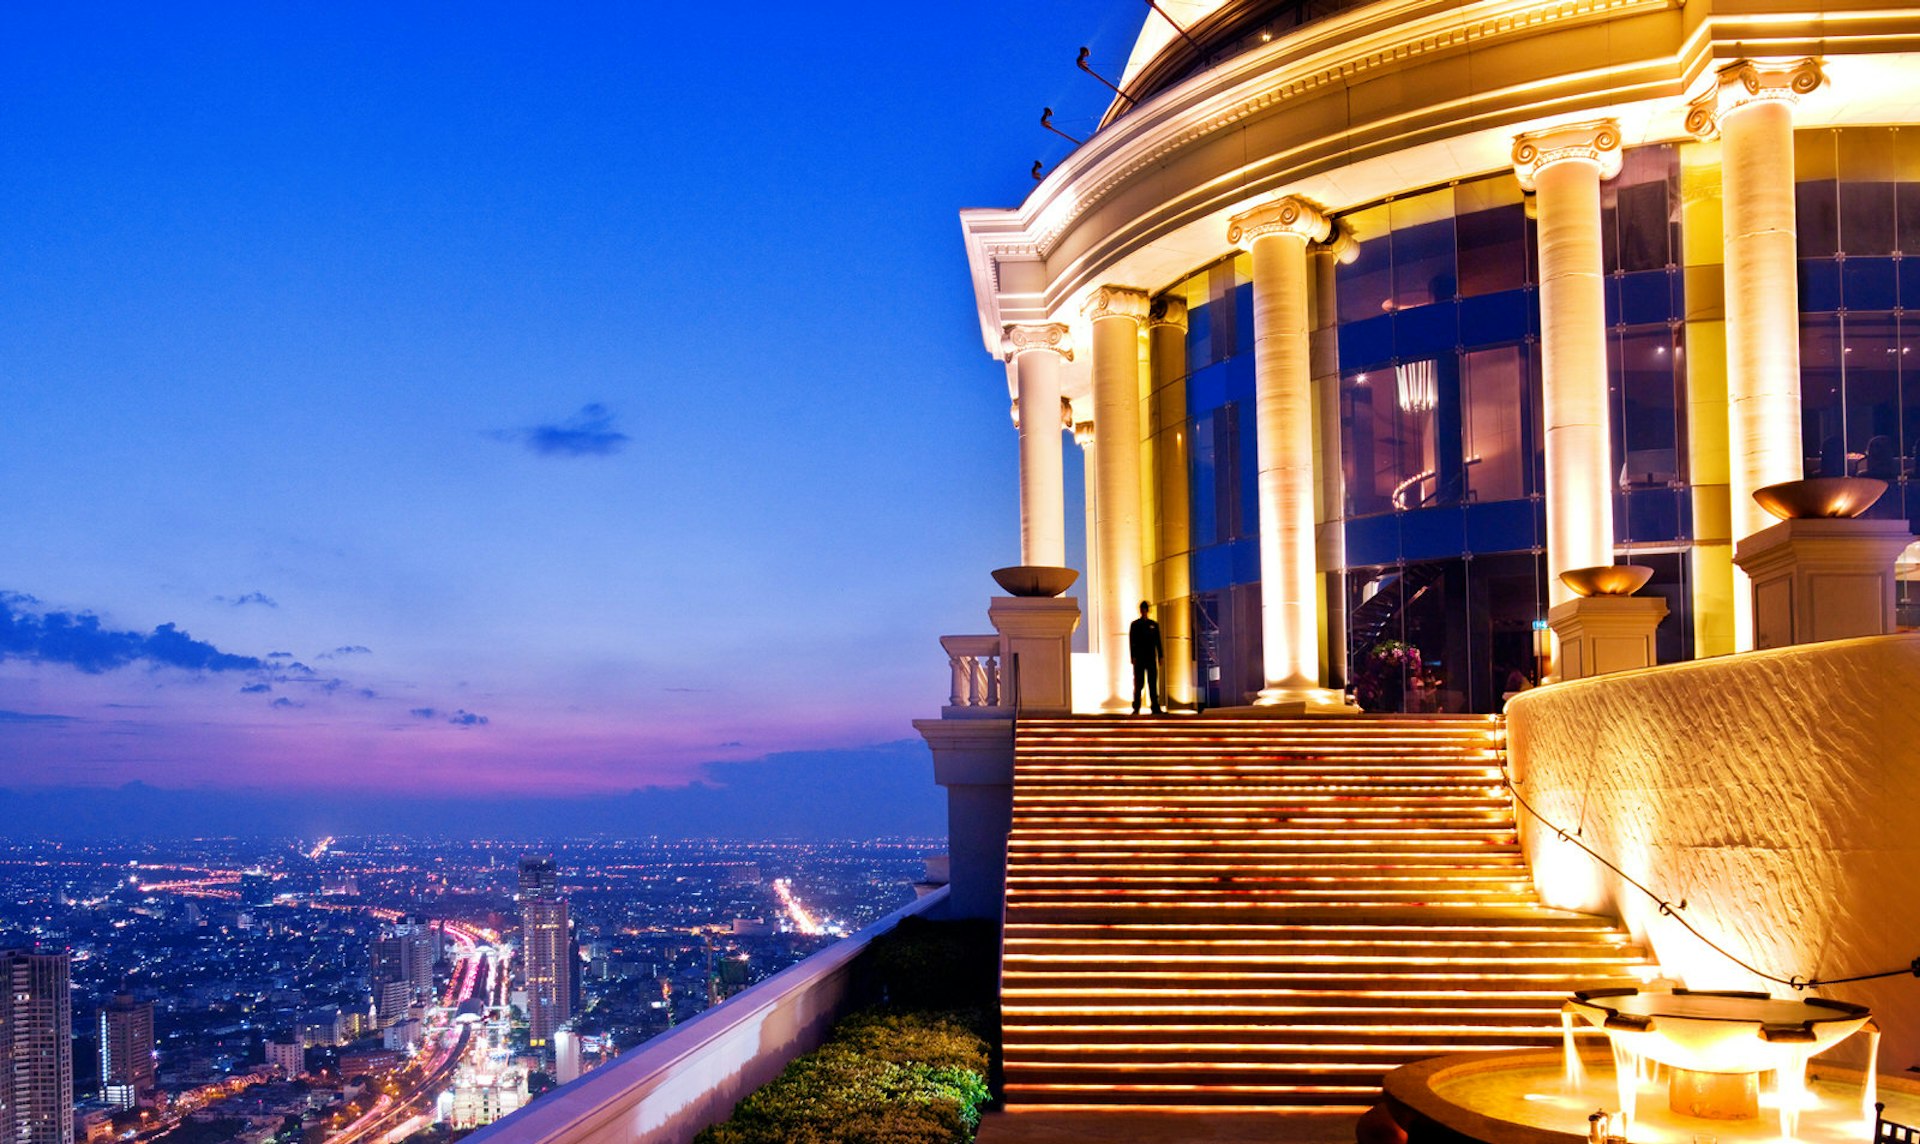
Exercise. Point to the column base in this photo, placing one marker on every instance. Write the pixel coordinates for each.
(1822, 579)
(1280, 702)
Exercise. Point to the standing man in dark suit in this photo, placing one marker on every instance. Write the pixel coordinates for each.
(1144, 640)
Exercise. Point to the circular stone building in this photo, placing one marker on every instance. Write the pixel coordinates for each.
(1369, 319)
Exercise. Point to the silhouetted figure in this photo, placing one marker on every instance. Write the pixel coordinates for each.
(1143, 639)
(1882, 462)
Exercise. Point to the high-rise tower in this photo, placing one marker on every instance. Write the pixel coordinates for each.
(36, 1049)
(126, 1051)
(546, 938)
(405, 951)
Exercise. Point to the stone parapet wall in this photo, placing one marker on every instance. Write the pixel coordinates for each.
(1777, 793)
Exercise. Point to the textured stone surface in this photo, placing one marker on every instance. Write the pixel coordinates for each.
(1777, 793)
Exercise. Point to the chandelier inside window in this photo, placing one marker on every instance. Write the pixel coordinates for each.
(1418, 385)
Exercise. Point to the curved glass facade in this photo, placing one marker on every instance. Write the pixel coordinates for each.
(1427, 346)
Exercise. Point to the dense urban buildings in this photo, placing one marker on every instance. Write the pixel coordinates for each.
(36, 1048)
(247, 1015)
(546, 939)
(126, 1051)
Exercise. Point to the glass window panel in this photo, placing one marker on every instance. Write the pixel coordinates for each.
(1816, 219)
(1641, 214)
(1646, 403)
(1869, 283)
(1906, 174)
(1822, 411)
(1493, 318)
(1870, 369)
(1819, 285)
(1426, 331)
(1423, 248)
(1492, 254)
(1493, 384)
(1369, 454)
(1365, 285)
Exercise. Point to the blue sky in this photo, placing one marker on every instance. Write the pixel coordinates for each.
(571, 396)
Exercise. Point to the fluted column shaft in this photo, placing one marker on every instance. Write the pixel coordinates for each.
(1751, 106)
(1564, 167)
(1173, 587)
(1083, 436)
(1116, 313)
(1277, 235)
(1037, 353)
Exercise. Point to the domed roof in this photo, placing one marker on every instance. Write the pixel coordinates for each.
(1214, 30)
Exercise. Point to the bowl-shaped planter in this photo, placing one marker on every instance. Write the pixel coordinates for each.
(1820, 497)
(1034, 579)
(1607, 579)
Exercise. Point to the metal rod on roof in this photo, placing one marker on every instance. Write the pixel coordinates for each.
(1191, 42)
(1081, 63)
(1037, 176)
(1046, 121)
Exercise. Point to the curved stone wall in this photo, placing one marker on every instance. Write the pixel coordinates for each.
(1777, 793)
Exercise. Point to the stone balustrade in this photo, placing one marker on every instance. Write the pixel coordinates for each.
(978, 690)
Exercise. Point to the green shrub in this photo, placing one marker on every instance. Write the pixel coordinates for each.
(882, 1078)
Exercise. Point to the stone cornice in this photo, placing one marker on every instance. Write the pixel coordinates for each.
(1288, 217)
(1117, 302)
(1340, 49)
(1018, 338)
(1597, 143)
(1745, 83)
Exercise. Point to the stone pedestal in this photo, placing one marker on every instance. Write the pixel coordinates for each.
(973, 759)
(1601, 634)
(1036, 652)
(1821, 579)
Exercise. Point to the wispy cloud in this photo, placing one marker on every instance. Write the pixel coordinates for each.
(349, 649)
(588, 433)
(241, 601)
(256, 689)
(465, 718)
(284, 702)
(31, 717)
(79, 640)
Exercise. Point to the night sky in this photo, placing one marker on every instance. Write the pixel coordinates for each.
(482, 401)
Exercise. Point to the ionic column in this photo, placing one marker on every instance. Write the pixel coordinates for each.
(1277, 235)
(1167, 353)
(1564, 167)
(1117, 313)
(1037, 352)
(1750, 106)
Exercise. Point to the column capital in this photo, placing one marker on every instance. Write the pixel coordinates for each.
(1288, 216)
(1744, 83)
(1117, 302)
(1168, 310)
(1597, 143)
(1017, 338)
(1083, 433)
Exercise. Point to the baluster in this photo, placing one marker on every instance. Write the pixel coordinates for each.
(959, 681)
(993, 680)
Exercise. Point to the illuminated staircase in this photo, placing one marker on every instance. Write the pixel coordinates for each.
(1271, 913)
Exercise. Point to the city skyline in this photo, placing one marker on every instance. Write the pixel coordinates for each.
(417, 407)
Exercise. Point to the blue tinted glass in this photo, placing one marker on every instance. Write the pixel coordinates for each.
(1819, 285)
(1646, 296)
(1433, 533)
(1648, 515)
(1611, 288)
(1243, 318)
(1238, 376)
(1367, 344)
(1426, 331)
(1365, 285)
(1494, 319)
(1816, 219)
(1206, 389)
(1212, 567)
(1203, 495)
(1504, 526)
(1199, 337)
(1373, 539)
(1869, 283)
